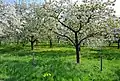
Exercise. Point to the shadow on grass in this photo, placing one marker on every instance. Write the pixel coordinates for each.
(26, 71)
(118, 73)
(52, 53)
(15, 70)
(108, 53)
(9, 49)
(47, 54)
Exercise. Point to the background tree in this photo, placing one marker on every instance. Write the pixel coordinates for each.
(10, 21)
(114, 25)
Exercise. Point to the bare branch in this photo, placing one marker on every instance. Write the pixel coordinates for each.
(65, 36)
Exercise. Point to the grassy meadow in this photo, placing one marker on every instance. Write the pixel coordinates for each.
(58, 63)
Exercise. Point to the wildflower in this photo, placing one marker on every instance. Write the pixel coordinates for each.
(46, 74)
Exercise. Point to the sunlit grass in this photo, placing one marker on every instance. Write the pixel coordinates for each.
(59, 63)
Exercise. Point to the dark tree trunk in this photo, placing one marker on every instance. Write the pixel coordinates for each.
(101, 63)
(23, 44)
(118, 43)
(18, 40)
(50, 43)
(83, 44)
(0, 43)
(37, 42)
(32, 43)
(58, 39)
(77, 46)
(109, 43)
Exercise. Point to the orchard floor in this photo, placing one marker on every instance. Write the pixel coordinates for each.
(58, 64)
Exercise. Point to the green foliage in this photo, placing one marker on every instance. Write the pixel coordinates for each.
(58, 64)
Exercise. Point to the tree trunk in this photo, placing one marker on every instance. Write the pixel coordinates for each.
(77, 54)
(101, 63)
(109, 43)
(36, 42)
(58, 39)
(0, 43)
(32, 45)
(18, 42)
(77, 48)
(118, 43)
(23, 44)
(50, 43)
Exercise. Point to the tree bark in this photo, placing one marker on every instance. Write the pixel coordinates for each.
(50, 43)
(58, 39)
(0, 42)
(77, 48)
(109, 43)
(37, 42)
(32, 42)
(101, 63)
(23, 44)
(32, 45)
(118, 43)
(17, 41)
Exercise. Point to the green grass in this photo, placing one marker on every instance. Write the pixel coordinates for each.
(58, 64)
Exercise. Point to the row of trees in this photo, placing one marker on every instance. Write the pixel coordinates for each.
(90, 22)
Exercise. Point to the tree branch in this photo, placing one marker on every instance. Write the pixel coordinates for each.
(88, 20)
(29, 39)
(90, 35)
(65, 36)
(90, 17)
(66, 26)
(79, 27)
(35, 40)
